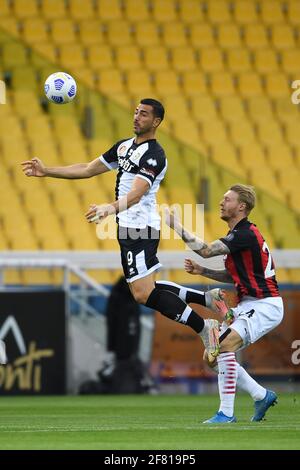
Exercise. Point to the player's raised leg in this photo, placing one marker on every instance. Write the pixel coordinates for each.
(172, 306)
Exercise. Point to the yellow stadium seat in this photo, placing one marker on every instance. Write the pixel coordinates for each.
(166, 83)
(232, 108)
(103, 276)
(109, 10)
(194, 83)
(282, 36)
(119, 29)
(146, 34)
(256, 36)
(245, 12)
(80, 10)
(14, 55)
(46, 150)
(265, 61)
(269, 132)
(26, 103)
(242, 132)
(156, 58)
(12, 276)
(84, 75)
(204, 108)
(291, 61)
(191, 11)
(239, 60)
(111, 82)
(47, 50)
(73, 151)
(282, 275)
(35, 30)
(63, 31)
(11, 25)
(100, 57)
(176, 106)
(294, 274)
(139, 83)
(25, 8)
(222, 84)
(211, 59)
(251, 155)
(188, 132)
(12, 154)
(293, 12)
(229, 36)
(164, 11)
(20, 234)
(249, 84)
(280, 156)
(214, 130)
(137, 11)
(72, 56)
(259, 108)
(91, 32)
(174, 34)
(289, 179)
(292, 133)
(224, 154)
(219, 12)
(272, 12)
(38, 126)
(128, 57)
(183, 58)
(277, 85)
(81, 235)
(263, 177)
(285, 229)
(4, 8)
(53, 9)
(10, 126)
(36, 276)
(286, 112)
(201, 35)
(24, 78)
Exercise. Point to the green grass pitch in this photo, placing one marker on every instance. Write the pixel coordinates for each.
(143, 422)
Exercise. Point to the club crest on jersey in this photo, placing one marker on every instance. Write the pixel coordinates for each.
(122, 151)
(229, 237)
(152, 162)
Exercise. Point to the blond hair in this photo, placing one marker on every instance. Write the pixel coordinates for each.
(246, 195)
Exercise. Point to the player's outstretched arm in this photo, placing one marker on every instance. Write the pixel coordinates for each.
(221, 275)
(97, 213)
(35, 167)
(206, 250)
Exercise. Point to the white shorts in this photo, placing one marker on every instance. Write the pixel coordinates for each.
(254, 318)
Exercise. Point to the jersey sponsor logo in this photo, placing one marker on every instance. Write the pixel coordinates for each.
(125, 164)
(147, 172)
(152, 162)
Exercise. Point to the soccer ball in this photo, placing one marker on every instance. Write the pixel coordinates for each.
(60, 88)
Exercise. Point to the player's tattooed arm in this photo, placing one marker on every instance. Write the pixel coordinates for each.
(206, 250)
(221, 275)
(218, 275)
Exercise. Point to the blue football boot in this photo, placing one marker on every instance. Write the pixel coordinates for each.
(220, 418)
(262, 406)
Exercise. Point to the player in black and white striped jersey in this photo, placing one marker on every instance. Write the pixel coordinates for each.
(141, 163)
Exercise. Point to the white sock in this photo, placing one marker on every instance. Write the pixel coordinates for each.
(227, 378)
(246, 383)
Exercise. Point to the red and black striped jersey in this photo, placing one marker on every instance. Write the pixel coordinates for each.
(249, 262)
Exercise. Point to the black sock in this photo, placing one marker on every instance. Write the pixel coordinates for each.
(187, 294)
(171, 306)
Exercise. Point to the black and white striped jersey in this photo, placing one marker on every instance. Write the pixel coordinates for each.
(146, 160)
